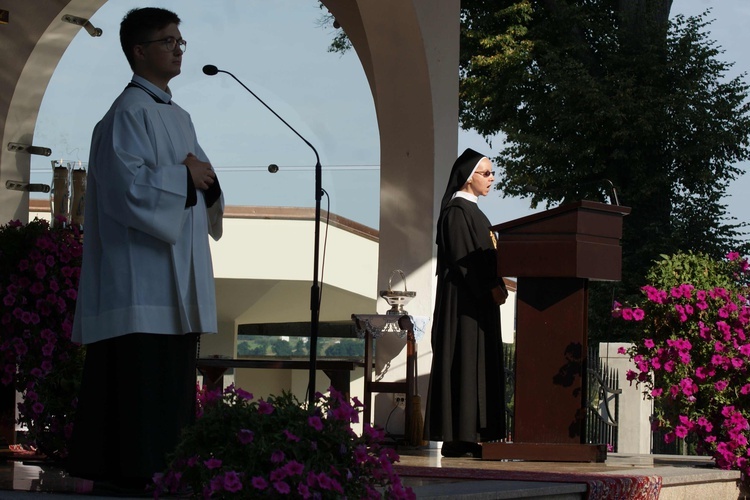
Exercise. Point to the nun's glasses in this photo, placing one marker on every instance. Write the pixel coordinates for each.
(486, 173)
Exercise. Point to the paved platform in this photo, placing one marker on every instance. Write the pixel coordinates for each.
(434, 477)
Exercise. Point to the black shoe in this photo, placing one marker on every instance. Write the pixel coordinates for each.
(455, 449)
(475, 449)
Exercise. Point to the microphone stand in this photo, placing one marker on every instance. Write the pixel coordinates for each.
(315, 289)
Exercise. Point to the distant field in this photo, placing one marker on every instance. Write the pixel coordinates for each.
(258, 345)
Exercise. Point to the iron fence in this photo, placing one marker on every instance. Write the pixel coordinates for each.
(602, 402)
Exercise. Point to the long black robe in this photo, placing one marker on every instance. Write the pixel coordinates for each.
(466, 400)
(137, 393)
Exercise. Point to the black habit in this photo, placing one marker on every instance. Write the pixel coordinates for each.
(466, 400)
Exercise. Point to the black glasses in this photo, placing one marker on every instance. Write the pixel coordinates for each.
(486, 173)
(169, 43)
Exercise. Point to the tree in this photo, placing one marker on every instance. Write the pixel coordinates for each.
(281, 347)
(588, 92)
(346, 348)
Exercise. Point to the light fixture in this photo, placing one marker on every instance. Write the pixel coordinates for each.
(28, 148)
(84, 23)
(4, 16)
(25, 186)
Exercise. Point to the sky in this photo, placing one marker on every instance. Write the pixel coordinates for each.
(279, 50)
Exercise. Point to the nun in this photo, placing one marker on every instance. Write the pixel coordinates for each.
(466, 397)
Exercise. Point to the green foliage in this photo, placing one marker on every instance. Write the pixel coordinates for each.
(698, 269)
(300, 348)
(340, 42)
(262, 345)
(346, 348)
(584, 91)
(281, 347)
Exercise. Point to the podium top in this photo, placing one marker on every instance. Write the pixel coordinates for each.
(580, 239)
(562, 211)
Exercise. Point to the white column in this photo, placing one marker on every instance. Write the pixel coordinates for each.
(634, 425)
(409, 51)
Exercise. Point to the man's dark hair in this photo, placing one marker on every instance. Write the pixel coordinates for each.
(138, 26)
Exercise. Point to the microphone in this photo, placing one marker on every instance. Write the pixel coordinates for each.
(22, 186)
(531, 188)
(211, 70)
(614, 193)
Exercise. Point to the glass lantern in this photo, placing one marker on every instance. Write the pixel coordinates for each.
(68, 192)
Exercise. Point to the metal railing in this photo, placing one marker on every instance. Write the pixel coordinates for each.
(602, 402)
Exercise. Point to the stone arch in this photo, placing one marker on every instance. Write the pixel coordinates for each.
(35, 40)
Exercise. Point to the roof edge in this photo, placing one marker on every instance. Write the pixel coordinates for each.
(271, 213)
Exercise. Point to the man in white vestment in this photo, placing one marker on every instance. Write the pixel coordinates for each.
(147, 288)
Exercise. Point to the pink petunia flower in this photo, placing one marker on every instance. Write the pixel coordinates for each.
(303, 491)
(616, 310)
(294, 468)
(259, 483)
(278, 474)
(212, 463)
(282, 487)
(265, 408)
(701, 373)
(324, 481)
(315, 422)
(232, 482)
(290, 436)
(216, 484)
(243, 394)
(277, 456)
(246, 436)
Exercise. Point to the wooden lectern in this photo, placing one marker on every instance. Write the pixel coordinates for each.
(554, 254)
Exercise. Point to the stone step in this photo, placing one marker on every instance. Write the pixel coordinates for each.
(500, 490)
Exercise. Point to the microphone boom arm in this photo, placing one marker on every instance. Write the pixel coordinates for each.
(317, 158)
(315, 289)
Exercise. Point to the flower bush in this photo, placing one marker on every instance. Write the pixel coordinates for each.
(39, 273)
(245, 448)
(693, 355)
